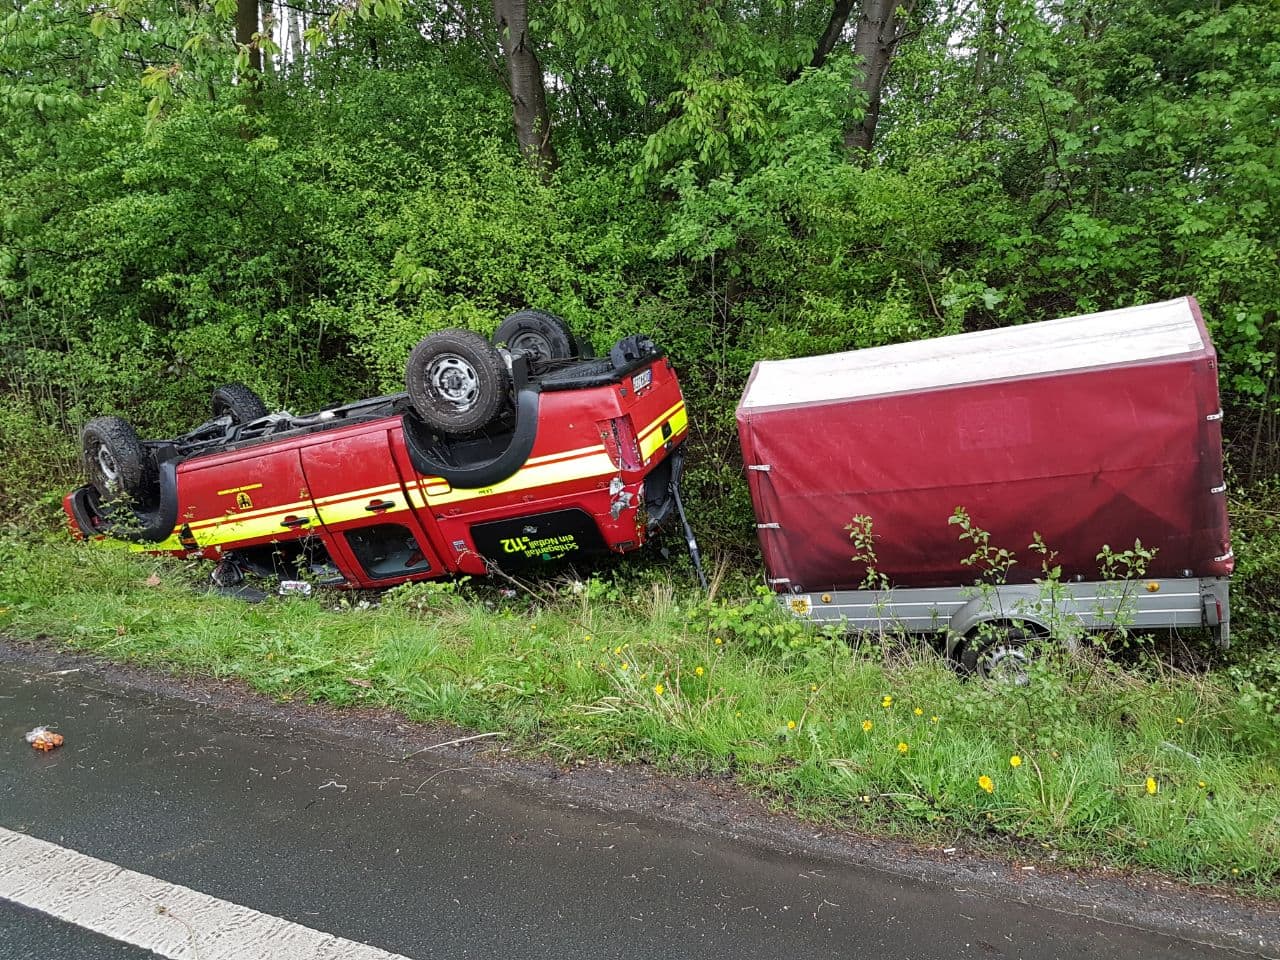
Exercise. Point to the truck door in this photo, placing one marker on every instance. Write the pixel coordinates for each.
(375, 536)
(246, 501)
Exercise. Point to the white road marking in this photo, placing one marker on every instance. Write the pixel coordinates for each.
(165, 918)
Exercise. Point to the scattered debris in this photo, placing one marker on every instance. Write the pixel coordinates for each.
(153, 580)
(450, 743)
(300, 587)
(42, 738)
(359, 682)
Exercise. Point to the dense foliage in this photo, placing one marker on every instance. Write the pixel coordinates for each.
(188, 201)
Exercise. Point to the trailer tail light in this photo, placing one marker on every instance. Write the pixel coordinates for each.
(620, 440)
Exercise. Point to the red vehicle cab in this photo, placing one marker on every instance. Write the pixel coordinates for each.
(576, 455)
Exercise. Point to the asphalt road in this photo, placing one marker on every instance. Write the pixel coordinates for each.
(431, 858)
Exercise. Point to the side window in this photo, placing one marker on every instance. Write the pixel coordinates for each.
(387, 550)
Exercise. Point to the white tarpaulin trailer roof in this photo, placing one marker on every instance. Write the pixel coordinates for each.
(1130, 335)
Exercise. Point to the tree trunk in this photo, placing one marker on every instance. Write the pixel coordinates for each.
(295, 37)
(878, 33)
(246, 27)
(268, 29)
(831, 36)
(528, 93)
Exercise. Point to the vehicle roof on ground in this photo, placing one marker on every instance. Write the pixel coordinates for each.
(1112, 338)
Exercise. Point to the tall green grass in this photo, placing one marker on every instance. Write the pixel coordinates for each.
(1138, 766)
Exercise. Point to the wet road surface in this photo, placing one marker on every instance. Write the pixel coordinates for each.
(431, 858)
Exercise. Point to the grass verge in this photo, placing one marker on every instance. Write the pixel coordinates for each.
(1088, 762)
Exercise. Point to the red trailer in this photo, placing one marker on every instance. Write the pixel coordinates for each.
(1092, 430)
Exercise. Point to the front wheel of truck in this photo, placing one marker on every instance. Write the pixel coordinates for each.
(116, 461)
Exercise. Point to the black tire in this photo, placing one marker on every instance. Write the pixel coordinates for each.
(117, 463)
(999, 652)
(238, 400)
(538, 335)
(456, 380)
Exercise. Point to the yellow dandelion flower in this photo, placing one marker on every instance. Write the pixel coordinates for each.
(865, 798)
(698, 671)
(935, 718)
(1179, 721)
(813, 688)
(1235, 871)
(658, 688)
(902, 747)
(866, 726)
(1015, 761)
(1201, 784)
(587, 638)
(1152, 786)
(791, 724)
(886, 702)
(986, 783)
(617, 651)
(624, 666)
(918, 712)
(719, 641)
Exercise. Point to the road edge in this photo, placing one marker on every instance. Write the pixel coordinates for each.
(713, 807)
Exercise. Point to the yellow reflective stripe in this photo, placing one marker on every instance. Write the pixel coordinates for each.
(564, 455)
(371, 492)
(660, 419)
(346, 510)
(528, 477)
(279, 509)
(653, 439)
(237, 529)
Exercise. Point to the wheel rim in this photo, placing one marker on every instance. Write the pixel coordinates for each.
(1005, 663)
(454, 381)
(531, 344)
(107, 464)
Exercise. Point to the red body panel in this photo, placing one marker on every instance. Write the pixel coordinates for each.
(1084, 458)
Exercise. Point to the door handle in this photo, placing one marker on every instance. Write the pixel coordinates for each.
(292, 521)
(377, 505)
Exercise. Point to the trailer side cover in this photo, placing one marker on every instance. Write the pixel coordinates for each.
(1091, 430)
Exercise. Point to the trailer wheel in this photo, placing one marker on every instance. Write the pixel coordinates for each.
(456, 380)
(538, 335)
(239, 401)
(999, 652)
(117, 463)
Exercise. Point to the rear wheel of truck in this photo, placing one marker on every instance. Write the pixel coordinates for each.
(456, 380)
(538, 335)
(116, 460)
(239, 401)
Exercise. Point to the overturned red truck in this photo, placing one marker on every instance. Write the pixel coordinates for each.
(512, 454)
(1090, 431)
